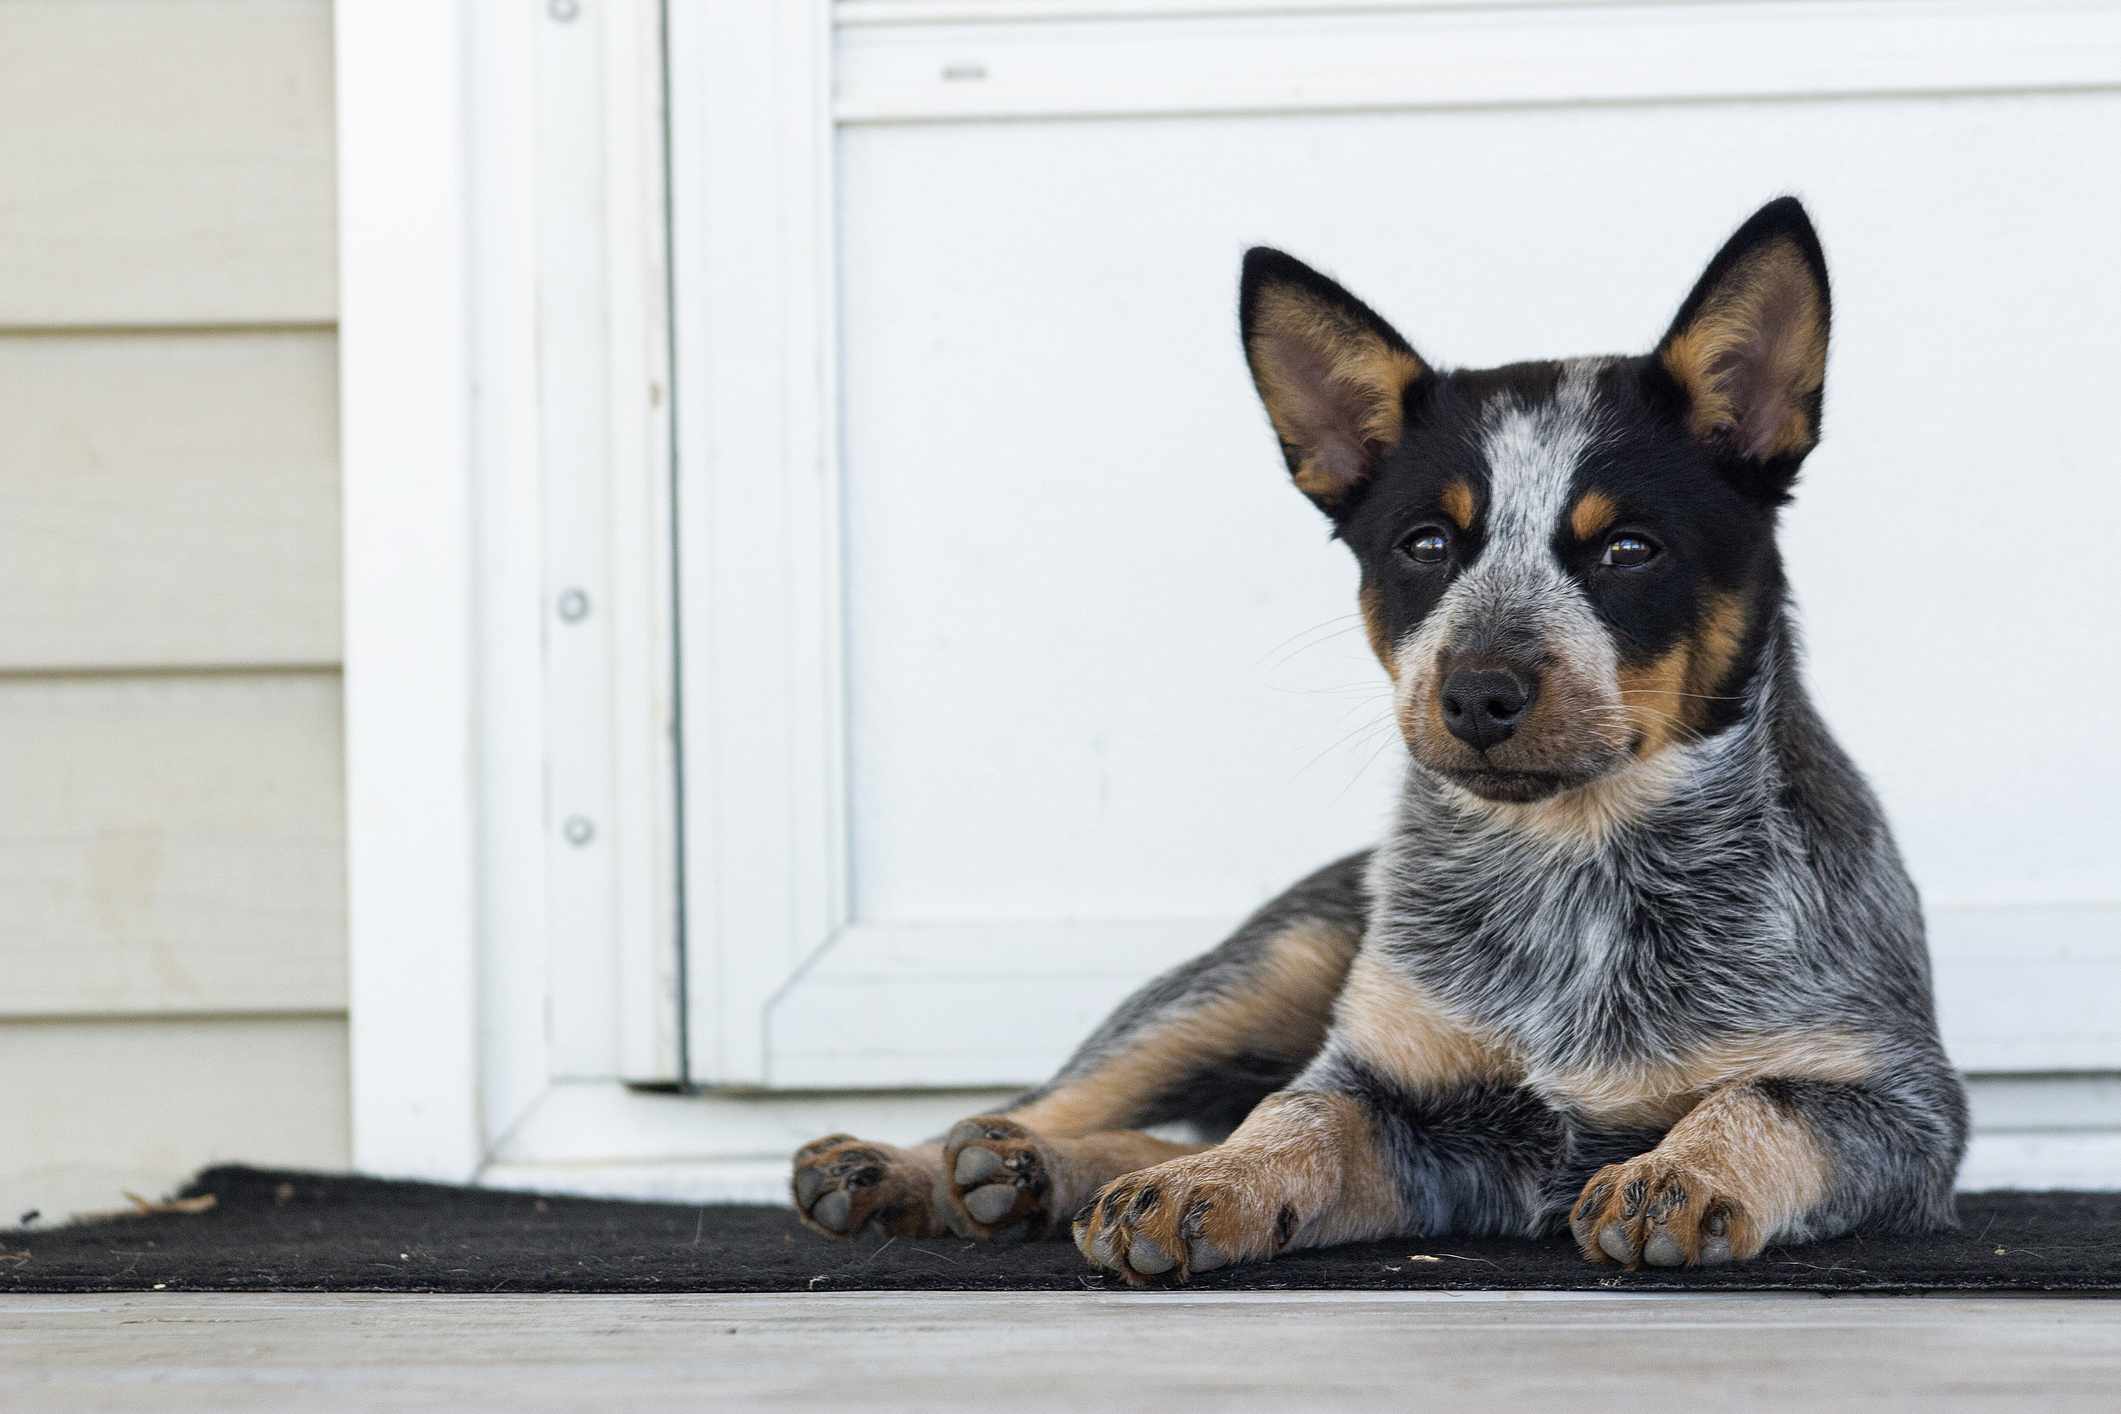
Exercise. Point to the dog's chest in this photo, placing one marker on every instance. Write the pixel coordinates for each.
(1625, 956)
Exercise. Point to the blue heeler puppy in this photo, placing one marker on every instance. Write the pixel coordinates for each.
(1638, 954)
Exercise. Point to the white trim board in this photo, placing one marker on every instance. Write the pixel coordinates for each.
(2047, 1132)
(504, 394)
(2039, 1161)
(959, 62)
(758, 514)
(848, 14)
(405, 380)
(2025, 988)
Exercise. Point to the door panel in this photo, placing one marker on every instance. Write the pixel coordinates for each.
(1094, 669)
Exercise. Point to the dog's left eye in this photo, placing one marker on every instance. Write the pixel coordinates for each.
(1428, 545)
(1627, 550)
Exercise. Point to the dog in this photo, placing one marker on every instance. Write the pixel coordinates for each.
(1637, 957)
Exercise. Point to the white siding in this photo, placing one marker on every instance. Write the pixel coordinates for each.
(172, 895)
(171, 843)
(92, 1108)
(166, 162)
(169, 499)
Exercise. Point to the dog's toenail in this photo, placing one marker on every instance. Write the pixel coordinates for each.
(831, 1210)
(1149, 1258)
(808, 1184)
(1613, 1241)
(976, 1164)
(1205, 1256)
(1715, 1252)
(992, 1203)
(1662, 1250)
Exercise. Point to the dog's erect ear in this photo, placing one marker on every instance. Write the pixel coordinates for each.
(1333, 375)
(1748, 349)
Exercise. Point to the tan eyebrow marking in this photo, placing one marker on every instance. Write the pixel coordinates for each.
(1457, 502)
(1594, 512)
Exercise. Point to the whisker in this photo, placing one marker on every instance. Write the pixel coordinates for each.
(1306, 632)
(1638, 710)
(1344, 739)
(1332, 691)
(1364, 769)
(1703, 696)
(1352, 708)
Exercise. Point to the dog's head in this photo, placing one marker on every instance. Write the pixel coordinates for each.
(1565, 566)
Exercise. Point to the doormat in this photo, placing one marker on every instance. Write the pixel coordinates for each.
(243, 1229)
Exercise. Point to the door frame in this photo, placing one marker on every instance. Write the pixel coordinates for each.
(509, 689)
(470, 472)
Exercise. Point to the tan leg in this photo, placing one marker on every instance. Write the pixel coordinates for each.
(1728, 1177)
(1203, 1044)
(1307, 1167)
(1304, 1170)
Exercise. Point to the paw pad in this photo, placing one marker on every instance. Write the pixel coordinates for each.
(1657, 1213)
(998, 1179)
(842, 1186)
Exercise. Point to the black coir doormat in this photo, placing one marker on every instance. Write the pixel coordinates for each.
(268, 1231)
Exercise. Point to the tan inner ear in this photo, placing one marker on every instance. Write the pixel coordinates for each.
(1332, 386)
(1754, 355)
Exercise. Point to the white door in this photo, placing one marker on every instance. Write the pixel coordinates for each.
(985, 720)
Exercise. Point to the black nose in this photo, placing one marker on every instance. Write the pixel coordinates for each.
(1482, 706)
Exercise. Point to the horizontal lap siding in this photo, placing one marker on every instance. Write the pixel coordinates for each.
(171, 843)
(169, 499)
(92, 1108)
(166, 162)
(172, 859)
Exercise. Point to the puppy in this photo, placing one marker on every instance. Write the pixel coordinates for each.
(1637, 956)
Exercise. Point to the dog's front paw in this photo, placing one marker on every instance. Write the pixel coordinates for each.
(843, 1186)
(1663, 1213)
(1161, 1225)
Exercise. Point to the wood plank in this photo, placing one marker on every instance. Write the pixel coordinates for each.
(171, 844)
(169, 499)
(166, 162)
(96, 1107)
(173, 1352)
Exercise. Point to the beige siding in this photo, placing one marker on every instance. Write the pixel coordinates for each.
(171, 843)
(169, 499)
(91, 1108)
(172, 894)
(166, 161)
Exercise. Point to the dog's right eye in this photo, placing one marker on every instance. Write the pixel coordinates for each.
(1427, 545)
